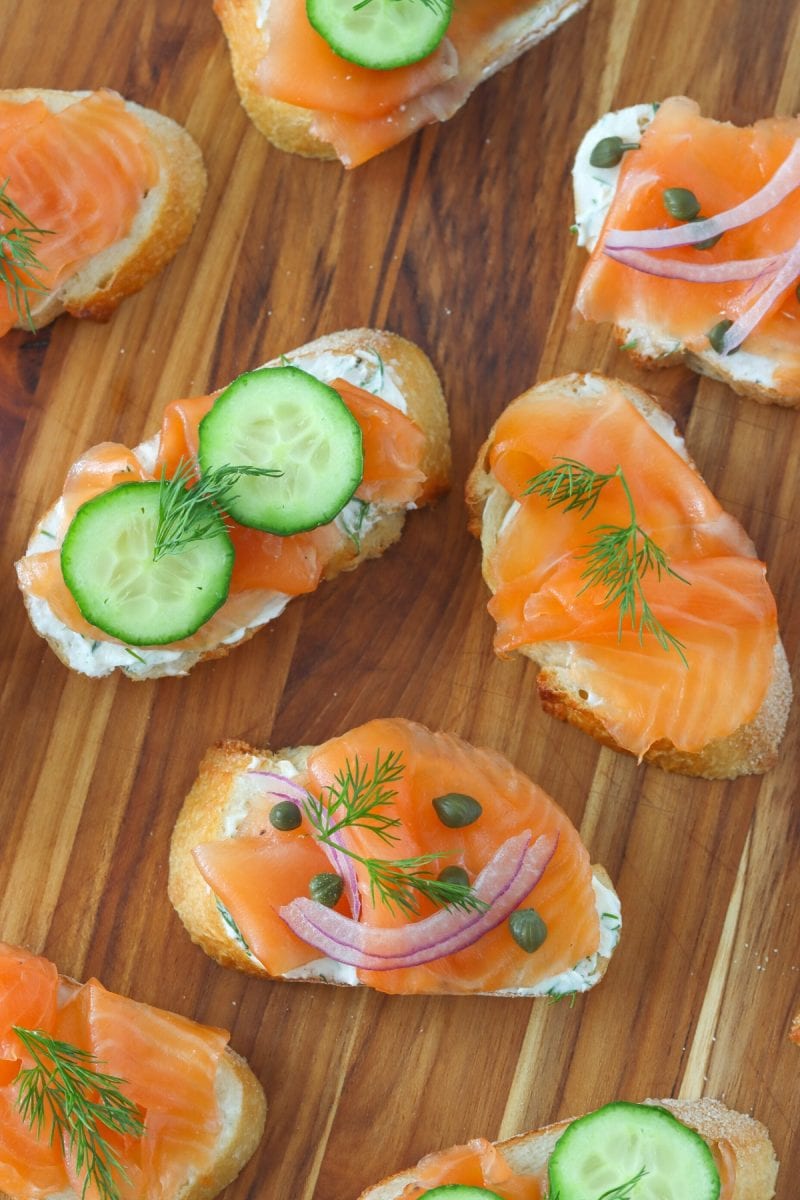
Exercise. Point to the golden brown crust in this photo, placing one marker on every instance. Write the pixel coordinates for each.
(288, 126)
(206, 815)
(746, 1138)
(163, 223)
(751, 749)
(412, 373)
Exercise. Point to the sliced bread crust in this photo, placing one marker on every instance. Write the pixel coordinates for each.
(287, 126)
(410, 373)
(746, 1139)
(750, 375)
(206, 816)
(751, 749)
(162, 224)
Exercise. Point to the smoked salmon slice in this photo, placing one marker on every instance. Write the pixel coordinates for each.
(477, 1164)
(256, 870)
(714, 600)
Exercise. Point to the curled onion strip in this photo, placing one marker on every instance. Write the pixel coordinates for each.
(505, 881)
(769, 298)
(782, 183)
(341, 864)
(672, 268)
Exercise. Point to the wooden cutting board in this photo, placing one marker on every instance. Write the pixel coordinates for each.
(459, 239)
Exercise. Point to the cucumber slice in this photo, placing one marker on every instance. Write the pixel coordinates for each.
(381, 34)
(284, 418)
(107, 564)
(459, 1191)
(632, 1152)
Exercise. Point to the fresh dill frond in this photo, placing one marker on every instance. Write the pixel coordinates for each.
(18, 257)
(355, 800)
(622, 1191)
(620, 556)
(353, 523)
(64, 1092)
(557, 997)
(133, 654)
(191, 514)
(231, 926)
(436, 6)
(631, 344)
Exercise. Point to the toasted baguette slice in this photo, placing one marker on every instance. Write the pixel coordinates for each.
(750, 749)
(240, 1101)
(732, 1134)
(407, 381)
(246, 24)
(225, 795)
(163, 223)
(755, 375)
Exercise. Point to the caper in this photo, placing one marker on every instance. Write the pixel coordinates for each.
(455, 810)
(708, 242)
(609, 151)
(454, 875)
(681, 203)
(326, 888)
(285, 816)
(717, 333)
(527, 929)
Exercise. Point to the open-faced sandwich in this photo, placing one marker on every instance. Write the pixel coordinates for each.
(337, 78)
(694, 231)
(613, 566)
(97, 195)
(102, 1096)
(677, 1149)
(157, 557)
(394, 857)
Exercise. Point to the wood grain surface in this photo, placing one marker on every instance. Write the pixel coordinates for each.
(459, 240)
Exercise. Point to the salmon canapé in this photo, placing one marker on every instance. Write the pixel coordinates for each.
(332, 868)
(699, 251)
(156, 1074)
(645, 602)
(268, 568)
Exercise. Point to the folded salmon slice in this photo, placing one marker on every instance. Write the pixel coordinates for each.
(80, 173)
(256, 873)
(723, 165)
(724, 614)
(477, 1164)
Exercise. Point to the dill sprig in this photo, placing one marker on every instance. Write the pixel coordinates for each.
(436, 6)
(18, 258)
(620, 556)
(63, 1089)
(358, 798)
(190, 514)
(621, 1191)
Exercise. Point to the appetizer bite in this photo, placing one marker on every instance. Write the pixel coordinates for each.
(102, 1096)
(158, 557)
(98, 195)
(693, 226)
(336, 78)
(394, 857)
(692, 1149)
(613, 566)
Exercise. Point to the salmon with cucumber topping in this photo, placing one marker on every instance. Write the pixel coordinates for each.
(394, 857)
(158, 557)
(102, 1096)
(352, 78)
(693, 226)
(658, 1150)
(613, 566)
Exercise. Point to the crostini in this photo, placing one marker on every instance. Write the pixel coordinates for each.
(306, 468)
(308, 99)
(101, 1095)
(692, 225)
(98, 195)
(613, 566)
(695, 1149)
(394, 857)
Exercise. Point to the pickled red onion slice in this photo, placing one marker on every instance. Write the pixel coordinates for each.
(782, 183)
(781, 282)
(505, 881)
(673, 268)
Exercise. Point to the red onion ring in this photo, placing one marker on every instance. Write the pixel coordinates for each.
(341, 863)
(673, 268)
(769, 297)
(782, 183)
(505, 881)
